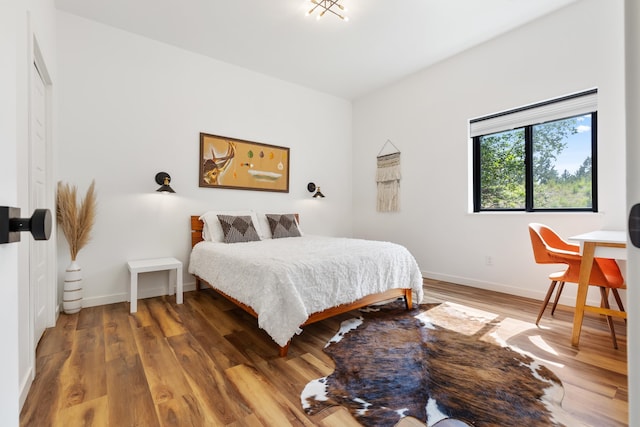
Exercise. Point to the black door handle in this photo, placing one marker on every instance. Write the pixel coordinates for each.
(634, 225)
(11, 224)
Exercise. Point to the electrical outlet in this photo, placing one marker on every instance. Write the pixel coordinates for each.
(488, 260)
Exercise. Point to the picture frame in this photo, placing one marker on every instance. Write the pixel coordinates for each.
(233, 163)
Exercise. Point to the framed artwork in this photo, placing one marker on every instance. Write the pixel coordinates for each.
(242, 165)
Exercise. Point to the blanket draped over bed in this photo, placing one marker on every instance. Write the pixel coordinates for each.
(286, 280)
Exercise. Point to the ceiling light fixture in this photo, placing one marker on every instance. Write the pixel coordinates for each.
(328, 6)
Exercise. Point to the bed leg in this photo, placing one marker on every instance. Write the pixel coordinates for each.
(198, 285)
(284, 350)
(408, 299)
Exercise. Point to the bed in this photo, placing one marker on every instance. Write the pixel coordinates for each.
(288, 283)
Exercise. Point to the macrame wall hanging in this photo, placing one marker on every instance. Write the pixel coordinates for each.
(388, 179)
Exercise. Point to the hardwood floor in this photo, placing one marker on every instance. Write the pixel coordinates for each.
(206, 363)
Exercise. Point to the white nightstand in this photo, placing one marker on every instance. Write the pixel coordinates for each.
(156, 264)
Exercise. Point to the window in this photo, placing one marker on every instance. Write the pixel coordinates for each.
(537, 158)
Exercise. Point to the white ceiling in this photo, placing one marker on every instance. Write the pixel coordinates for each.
(383, 41)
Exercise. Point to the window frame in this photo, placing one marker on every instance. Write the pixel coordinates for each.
(528, 163)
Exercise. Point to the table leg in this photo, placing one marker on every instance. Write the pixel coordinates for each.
(586, 264)
(179, 285)
(173, 281)
(134, 292)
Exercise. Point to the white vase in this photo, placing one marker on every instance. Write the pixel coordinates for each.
(72, 295)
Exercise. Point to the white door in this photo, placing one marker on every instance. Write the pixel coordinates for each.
(37, 199)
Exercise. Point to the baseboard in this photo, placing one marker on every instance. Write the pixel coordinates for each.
(539, 295)
(25, 386)
(490, 286)
(142, 293)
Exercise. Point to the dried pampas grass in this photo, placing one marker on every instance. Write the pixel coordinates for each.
(76, 221)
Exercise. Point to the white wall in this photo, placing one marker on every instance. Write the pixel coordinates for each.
(131, 107)
(426, 116)
(9, 408)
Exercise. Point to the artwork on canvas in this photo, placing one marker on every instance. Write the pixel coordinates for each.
(242, 165)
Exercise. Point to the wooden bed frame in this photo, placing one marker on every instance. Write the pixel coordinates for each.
(196, 237)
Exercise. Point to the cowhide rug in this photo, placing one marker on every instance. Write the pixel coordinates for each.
(429, 363)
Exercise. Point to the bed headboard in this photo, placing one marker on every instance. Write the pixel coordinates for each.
(196, 230)
(197, 225)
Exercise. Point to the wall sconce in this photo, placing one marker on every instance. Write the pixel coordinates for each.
(312, 187)
(163, 179)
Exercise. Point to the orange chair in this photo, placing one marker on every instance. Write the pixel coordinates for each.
(549, 248)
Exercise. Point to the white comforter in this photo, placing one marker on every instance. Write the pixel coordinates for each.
(286, 280)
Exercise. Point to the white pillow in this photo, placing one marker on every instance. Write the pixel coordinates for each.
(263, 223)
(212, 230)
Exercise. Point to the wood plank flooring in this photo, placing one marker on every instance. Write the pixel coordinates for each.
(206, 363)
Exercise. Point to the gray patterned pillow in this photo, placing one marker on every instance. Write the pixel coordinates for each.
(238, 229)
(283, 225)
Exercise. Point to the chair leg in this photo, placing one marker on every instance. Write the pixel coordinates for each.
(616, 295)
(555, 301)
(546, 300)
(605, 303)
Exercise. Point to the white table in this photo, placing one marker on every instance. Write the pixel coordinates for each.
(602, 244)
(155, 264)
